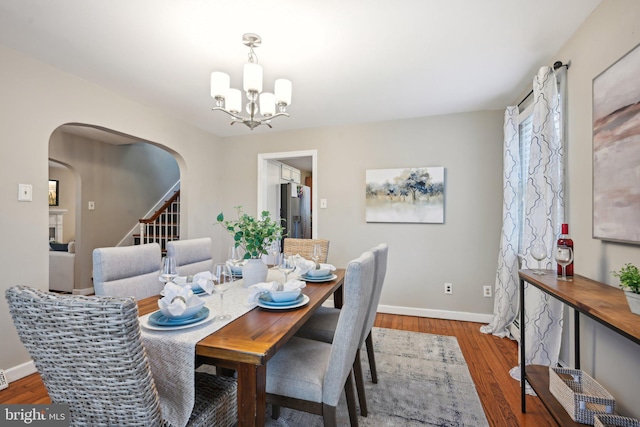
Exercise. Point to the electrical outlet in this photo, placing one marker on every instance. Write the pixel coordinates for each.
(486, 291)
(448, 288)
(3, 380)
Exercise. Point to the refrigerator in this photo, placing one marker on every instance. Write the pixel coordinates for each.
(295, 210)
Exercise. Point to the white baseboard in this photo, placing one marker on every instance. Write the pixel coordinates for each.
(20, 371)
(83, 291)
(436, 314)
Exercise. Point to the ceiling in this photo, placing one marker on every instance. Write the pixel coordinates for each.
(350, 62)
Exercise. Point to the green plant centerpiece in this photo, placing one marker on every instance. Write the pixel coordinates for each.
(254, 236)
(629, 276)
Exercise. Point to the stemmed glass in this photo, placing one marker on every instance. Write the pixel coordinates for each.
(286, 265)
(539, 252)
(564, 256)
(168, 269)
(316, 255)
(222, 280)
(236, 254)
(274, 251)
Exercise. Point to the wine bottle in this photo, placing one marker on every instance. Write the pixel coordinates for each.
(565, 240)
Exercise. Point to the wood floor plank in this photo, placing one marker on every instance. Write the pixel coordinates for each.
(489, 359)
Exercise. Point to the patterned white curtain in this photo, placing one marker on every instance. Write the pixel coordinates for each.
(505, 303)
(543, 213)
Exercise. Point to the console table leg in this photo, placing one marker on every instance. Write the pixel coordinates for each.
(576, 332)
(523, 392)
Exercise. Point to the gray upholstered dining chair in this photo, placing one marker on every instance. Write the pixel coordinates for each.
(304, 247)
(125, 271)
(192, 256)
(90, 355)
(310, 375)
(322, 325)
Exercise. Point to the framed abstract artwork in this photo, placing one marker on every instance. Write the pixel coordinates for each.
(616, 151)
(413, 195)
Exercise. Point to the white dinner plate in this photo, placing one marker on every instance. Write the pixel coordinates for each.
(145, 324)
(305, 301)
(318, 279)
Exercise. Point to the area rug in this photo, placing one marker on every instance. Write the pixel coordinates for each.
(423, 380)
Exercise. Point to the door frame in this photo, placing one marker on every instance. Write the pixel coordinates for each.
(263, 158)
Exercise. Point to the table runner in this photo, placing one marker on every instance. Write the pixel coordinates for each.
(171, 354)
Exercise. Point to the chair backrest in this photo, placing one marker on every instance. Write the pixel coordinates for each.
(380, 253)
(89, 354)
(192, 256)
(304, 247)
(127, 271)
(358, 288)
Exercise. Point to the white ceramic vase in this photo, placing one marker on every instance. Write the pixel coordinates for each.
(634, 301)
(254, 271)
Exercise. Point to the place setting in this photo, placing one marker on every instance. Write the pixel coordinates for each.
(181, 306)
(276, 295)
(312, 270)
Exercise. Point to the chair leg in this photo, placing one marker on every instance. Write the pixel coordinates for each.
(275, 411)
(351, 400)
(362, 397)
(329, 416)
(372, 359)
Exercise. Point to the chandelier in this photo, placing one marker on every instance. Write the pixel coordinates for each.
(229, 100)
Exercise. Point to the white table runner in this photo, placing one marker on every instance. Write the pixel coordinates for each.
(171, 354)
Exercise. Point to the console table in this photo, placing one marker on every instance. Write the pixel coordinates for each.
(603, 303)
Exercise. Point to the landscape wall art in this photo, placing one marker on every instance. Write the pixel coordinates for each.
(413, 195)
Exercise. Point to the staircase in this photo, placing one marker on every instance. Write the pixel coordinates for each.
(161, 227)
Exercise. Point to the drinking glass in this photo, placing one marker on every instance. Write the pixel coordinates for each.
(317, 254)
(168, 269)
(274, 252)
(236, 254)
(222, 280)
(286, 265)
(539, 252)
(564, 256)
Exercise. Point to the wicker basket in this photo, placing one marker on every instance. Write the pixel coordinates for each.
(580, 395)
(602, 420)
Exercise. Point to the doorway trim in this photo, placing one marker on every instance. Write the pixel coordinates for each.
(263, 158)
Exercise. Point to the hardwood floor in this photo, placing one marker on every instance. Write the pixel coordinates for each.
(489, 359)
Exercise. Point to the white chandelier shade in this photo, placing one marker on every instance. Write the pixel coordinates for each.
(229, 100)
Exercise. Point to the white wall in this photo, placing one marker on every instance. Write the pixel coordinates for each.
(36, 100)
(609, 33)
(422, 257)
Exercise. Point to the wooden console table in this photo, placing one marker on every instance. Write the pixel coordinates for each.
(603, 303)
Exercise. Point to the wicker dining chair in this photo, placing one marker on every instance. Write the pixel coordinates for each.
(304, 247)
(192, 256)
(309, 375)
(323, 323)
(127, 271)
(89, 353)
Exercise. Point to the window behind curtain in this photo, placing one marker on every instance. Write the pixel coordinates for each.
(525, 119)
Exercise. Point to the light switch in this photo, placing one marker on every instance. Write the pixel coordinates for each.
(92, 205)
(25, 193)
(323, 203)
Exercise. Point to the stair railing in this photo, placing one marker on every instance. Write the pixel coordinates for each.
(164, 225)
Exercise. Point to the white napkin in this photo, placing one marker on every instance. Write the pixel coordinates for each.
(303, 265)
(178, 306)
(259, 288)
(204, 280)
(236, 268)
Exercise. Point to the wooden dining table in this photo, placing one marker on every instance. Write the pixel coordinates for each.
(247, 343)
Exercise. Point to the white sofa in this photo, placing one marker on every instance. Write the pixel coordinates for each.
(61, 271)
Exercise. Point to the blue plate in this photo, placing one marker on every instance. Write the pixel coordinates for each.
(160, 319)
(197, 291)
(327, 277)
(266, 300)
